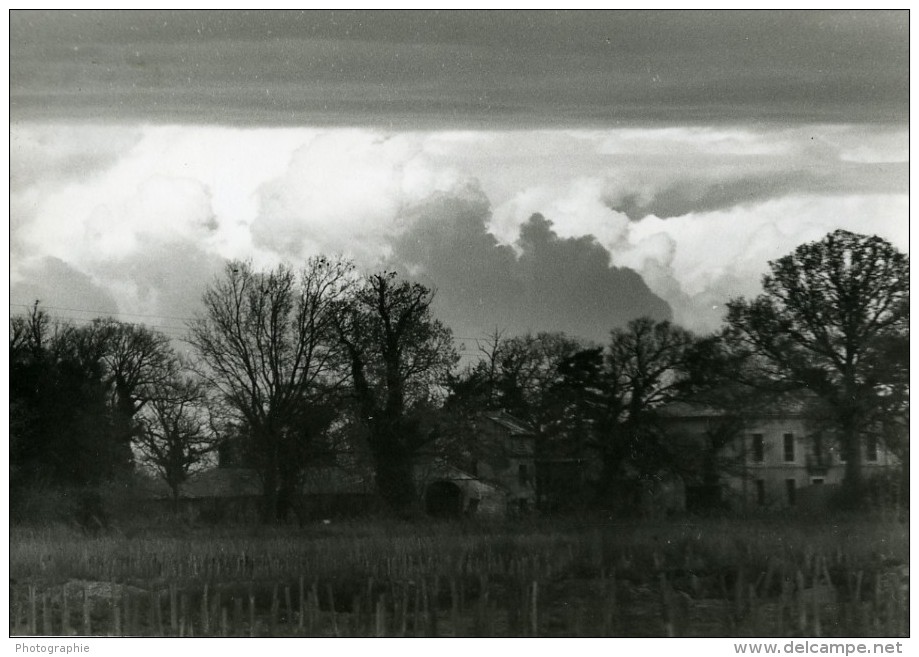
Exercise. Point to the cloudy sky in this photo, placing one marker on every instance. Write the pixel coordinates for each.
(542, 170)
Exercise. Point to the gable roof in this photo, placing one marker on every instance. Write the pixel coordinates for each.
(514, 426)
(680, 409)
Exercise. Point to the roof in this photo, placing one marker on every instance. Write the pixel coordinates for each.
(440, 471)
(785, 405)
(687, 410)
(514, 426)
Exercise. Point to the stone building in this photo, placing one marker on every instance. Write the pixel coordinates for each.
(499, 477)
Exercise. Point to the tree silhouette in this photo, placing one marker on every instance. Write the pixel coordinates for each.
(647, 365)
(61, 430)
(399, 354)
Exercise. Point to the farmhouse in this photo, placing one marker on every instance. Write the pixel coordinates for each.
(497, 478)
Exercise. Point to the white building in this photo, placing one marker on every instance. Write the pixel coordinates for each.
(776, 460)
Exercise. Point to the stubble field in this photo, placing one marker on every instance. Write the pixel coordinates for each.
(764, 577)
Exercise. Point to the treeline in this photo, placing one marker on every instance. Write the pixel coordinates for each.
(293, 364)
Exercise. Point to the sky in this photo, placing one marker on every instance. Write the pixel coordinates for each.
(541, 170)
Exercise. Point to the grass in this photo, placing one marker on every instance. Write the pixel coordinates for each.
(701, 577)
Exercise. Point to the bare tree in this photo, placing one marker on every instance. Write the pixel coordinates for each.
(138, 362)
(175, 435)
(266, 342)
(399, 354)
(514, 374)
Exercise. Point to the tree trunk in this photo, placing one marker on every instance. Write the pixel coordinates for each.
(175, 499)
(123, 421)
(606, 493)
(395, 480)
(287, 493)
(269, 510)
(852, 476)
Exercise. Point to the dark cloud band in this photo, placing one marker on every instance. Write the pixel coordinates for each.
(434, 69)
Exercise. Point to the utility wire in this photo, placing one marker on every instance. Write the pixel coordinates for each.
(171, 330)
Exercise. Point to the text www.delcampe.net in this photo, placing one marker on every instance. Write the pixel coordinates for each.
(819, 647)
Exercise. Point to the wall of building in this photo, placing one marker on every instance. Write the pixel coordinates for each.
(791, 466)
(509, 462)
(773, 477)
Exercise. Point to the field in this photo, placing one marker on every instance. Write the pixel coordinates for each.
(704, 577)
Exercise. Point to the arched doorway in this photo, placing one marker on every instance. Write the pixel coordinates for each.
(443, 499)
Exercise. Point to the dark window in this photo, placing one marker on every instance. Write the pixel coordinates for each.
(789, 439)
(759, 448)
(761, 492)
(790, 491)
(523, 474)
(818, 447)
(871, 449)
(817, 481)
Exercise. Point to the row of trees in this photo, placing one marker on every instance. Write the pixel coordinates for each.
(85, 399)
(287, 359)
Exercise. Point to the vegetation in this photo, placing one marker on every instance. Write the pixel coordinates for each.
(290, 364)
(174, 437)
(398, 355)
(265, 344)
(765, 577)
(293, 364)
(75, 396)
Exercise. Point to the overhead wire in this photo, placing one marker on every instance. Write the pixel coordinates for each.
(179, 332)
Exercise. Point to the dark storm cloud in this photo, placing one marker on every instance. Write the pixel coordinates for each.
(554, 284)
(707, 193)
(463, 68)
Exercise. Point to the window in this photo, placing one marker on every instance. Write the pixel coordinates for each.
(758, 448)
(761, 492)
(871, 449)
(789, 439)
(817, 481)
(523, 474)
(790, 491)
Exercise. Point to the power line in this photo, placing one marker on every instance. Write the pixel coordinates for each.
(166, 328)
(104, 313)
